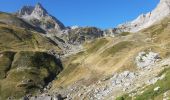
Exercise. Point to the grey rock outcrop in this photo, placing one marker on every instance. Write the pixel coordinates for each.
(110, 32)
(26, 10)
(145, 20)
(79, 35)
(46, 97)
(146, 59)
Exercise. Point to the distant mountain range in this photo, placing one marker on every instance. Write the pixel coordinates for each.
(38, 16)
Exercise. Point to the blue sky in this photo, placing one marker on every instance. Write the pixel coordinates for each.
(99, 13)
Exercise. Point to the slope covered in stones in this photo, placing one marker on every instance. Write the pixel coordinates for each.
(106, 56)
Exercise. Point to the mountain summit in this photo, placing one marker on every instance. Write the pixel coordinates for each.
(39, 11)
(145, 20)
(39, 17)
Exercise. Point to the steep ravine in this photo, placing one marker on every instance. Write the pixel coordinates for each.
(27, 73)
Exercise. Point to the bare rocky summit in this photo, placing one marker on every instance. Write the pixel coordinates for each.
(145, 20)
(39, 17)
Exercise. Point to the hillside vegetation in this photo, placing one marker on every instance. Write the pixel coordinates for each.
(25, 65)
(149, 92)
(16, 38)
(104, 56)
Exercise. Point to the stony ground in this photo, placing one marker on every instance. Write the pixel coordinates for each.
(112, 86)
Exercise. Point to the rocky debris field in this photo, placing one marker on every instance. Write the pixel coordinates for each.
(118, 83)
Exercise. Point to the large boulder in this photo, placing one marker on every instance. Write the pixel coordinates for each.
(146, 59)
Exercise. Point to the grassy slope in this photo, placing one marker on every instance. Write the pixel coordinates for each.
(94, 62)
(159, 35)
(104, 56)
(101, 57)
(149, 93)
(28, 72)
(164, 85)
(15, 38)
(9, 19)
(25, 67)
(6, 59)
(15, 34)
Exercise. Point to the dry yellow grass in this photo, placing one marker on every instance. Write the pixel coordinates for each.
(14, 38)
(107, 55)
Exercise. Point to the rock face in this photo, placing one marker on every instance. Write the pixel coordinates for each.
(145, 20)
(80, 35)
(70, 40)
(110, 32)
(144, 59)
(39, 17)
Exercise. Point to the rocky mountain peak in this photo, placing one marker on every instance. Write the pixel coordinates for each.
(26, 10)
(161, 11)
(38, 5)
(164, 1)
(39, 11)
(38, 16)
